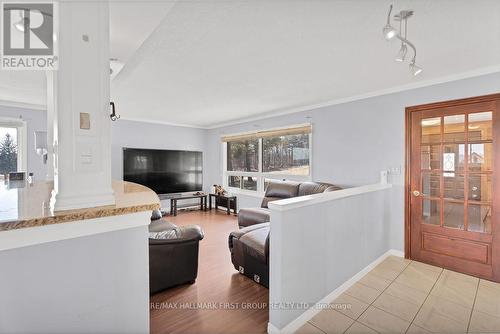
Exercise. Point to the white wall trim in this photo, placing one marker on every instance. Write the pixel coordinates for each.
(70, 230)
(301, 201)
(387, 91)
(23, 105)
(135, 119)
(311, 312)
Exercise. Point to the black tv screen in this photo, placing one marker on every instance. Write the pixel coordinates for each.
(164, 171)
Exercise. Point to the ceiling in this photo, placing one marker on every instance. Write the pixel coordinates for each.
(205, 63)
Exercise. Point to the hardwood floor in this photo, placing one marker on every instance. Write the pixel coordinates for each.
(221, 300)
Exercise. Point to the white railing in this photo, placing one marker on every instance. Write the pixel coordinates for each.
(319, 242)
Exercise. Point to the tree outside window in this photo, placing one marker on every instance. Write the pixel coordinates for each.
(8, 150)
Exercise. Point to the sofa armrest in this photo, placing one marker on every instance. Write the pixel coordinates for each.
(252, 216)
(181, 234)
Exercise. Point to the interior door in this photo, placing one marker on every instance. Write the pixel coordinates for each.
(453, 175)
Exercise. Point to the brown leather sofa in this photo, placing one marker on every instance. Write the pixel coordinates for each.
(173, 253)
(249, 246)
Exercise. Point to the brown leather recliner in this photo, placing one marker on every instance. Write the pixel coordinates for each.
(173, 253)
(249, 246)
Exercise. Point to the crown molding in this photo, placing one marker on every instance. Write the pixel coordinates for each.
(23, 105)
(392, 90)
(134, 119)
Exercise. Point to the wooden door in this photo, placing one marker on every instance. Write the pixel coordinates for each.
(453, 163)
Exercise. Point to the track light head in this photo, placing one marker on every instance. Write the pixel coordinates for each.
(402, 53)
(414, 69)
(389, 32)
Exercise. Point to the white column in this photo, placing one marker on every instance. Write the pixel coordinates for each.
(82, 156)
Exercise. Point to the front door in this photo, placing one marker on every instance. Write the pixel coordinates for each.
(454, 159)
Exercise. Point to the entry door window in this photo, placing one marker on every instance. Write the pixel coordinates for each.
(456, 178)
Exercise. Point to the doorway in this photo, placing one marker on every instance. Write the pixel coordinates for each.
(452, 163)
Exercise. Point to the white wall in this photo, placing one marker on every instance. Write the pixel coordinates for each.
(97, 284)
(318, 244)
(353, 142)
(36, 120)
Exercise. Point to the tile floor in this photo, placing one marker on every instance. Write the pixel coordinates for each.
(402, 296)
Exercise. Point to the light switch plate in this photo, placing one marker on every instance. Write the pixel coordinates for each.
(84, 121)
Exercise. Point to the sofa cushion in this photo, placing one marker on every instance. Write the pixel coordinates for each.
(310, 188)
(255, 242)
(282, 189)
(266, 200)
(332, 188)
(252, 216)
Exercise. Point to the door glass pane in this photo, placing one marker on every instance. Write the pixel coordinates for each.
(480, 126)
(453, 158)
(480, 188)
(454, 186)
(431, 212)
(431, 184)
(479, 218)
(454, 128)
(480, 157)
(430, 157)
(454, 215)
(431, 130)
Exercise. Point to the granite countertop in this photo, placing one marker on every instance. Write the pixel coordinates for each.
(28, 205)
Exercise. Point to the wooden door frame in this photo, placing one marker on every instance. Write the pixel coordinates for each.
(408, 133)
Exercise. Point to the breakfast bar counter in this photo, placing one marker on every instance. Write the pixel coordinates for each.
(29, 205)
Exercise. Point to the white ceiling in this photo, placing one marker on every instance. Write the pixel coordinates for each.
(210, 62)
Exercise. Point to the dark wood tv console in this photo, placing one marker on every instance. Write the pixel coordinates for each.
(174, 200)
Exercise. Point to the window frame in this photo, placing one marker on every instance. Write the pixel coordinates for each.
(22, 140)
(261, 176)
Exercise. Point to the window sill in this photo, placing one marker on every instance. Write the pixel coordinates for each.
(241, 192)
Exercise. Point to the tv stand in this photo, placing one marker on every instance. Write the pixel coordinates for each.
(175, 199)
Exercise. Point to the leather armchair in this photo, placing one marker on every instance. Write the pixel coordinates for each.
(173, 254)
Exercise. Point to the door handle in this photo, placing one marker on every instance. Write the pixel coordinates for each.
(416, 193)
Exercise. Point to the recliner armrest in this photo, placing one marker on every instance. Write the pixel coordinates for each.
(239, 233)
(182, 234)
(248, 217)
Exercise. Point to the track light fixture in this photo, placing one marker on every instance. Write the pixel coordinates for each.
(390, 33)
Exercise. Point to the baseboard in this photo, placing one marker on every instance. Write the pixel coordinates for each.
(311, 312)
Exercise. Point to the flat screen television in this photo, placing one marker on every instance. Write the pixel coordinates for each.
(164, 171)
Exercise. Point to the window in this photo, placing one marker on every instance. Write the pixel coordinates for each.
(252, 160)
(11, 147)
(8, 150)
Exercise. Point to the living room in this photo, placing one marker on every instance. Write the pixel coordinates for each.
(263, 167)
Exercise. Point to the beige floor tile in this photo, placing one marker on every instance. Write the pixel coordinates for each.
(308, 329)
(331, 321)
(418, 278)
(414, 329)
(386, 273)
(484, 323)
(488, 298)
(460, 276)
(442, 316)
(455, 288)
(363, 293)
(382, 321)
(357, 328)
(374, 281)
(353, 307)
(409, 294)
(420, 265)
(396, 306)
